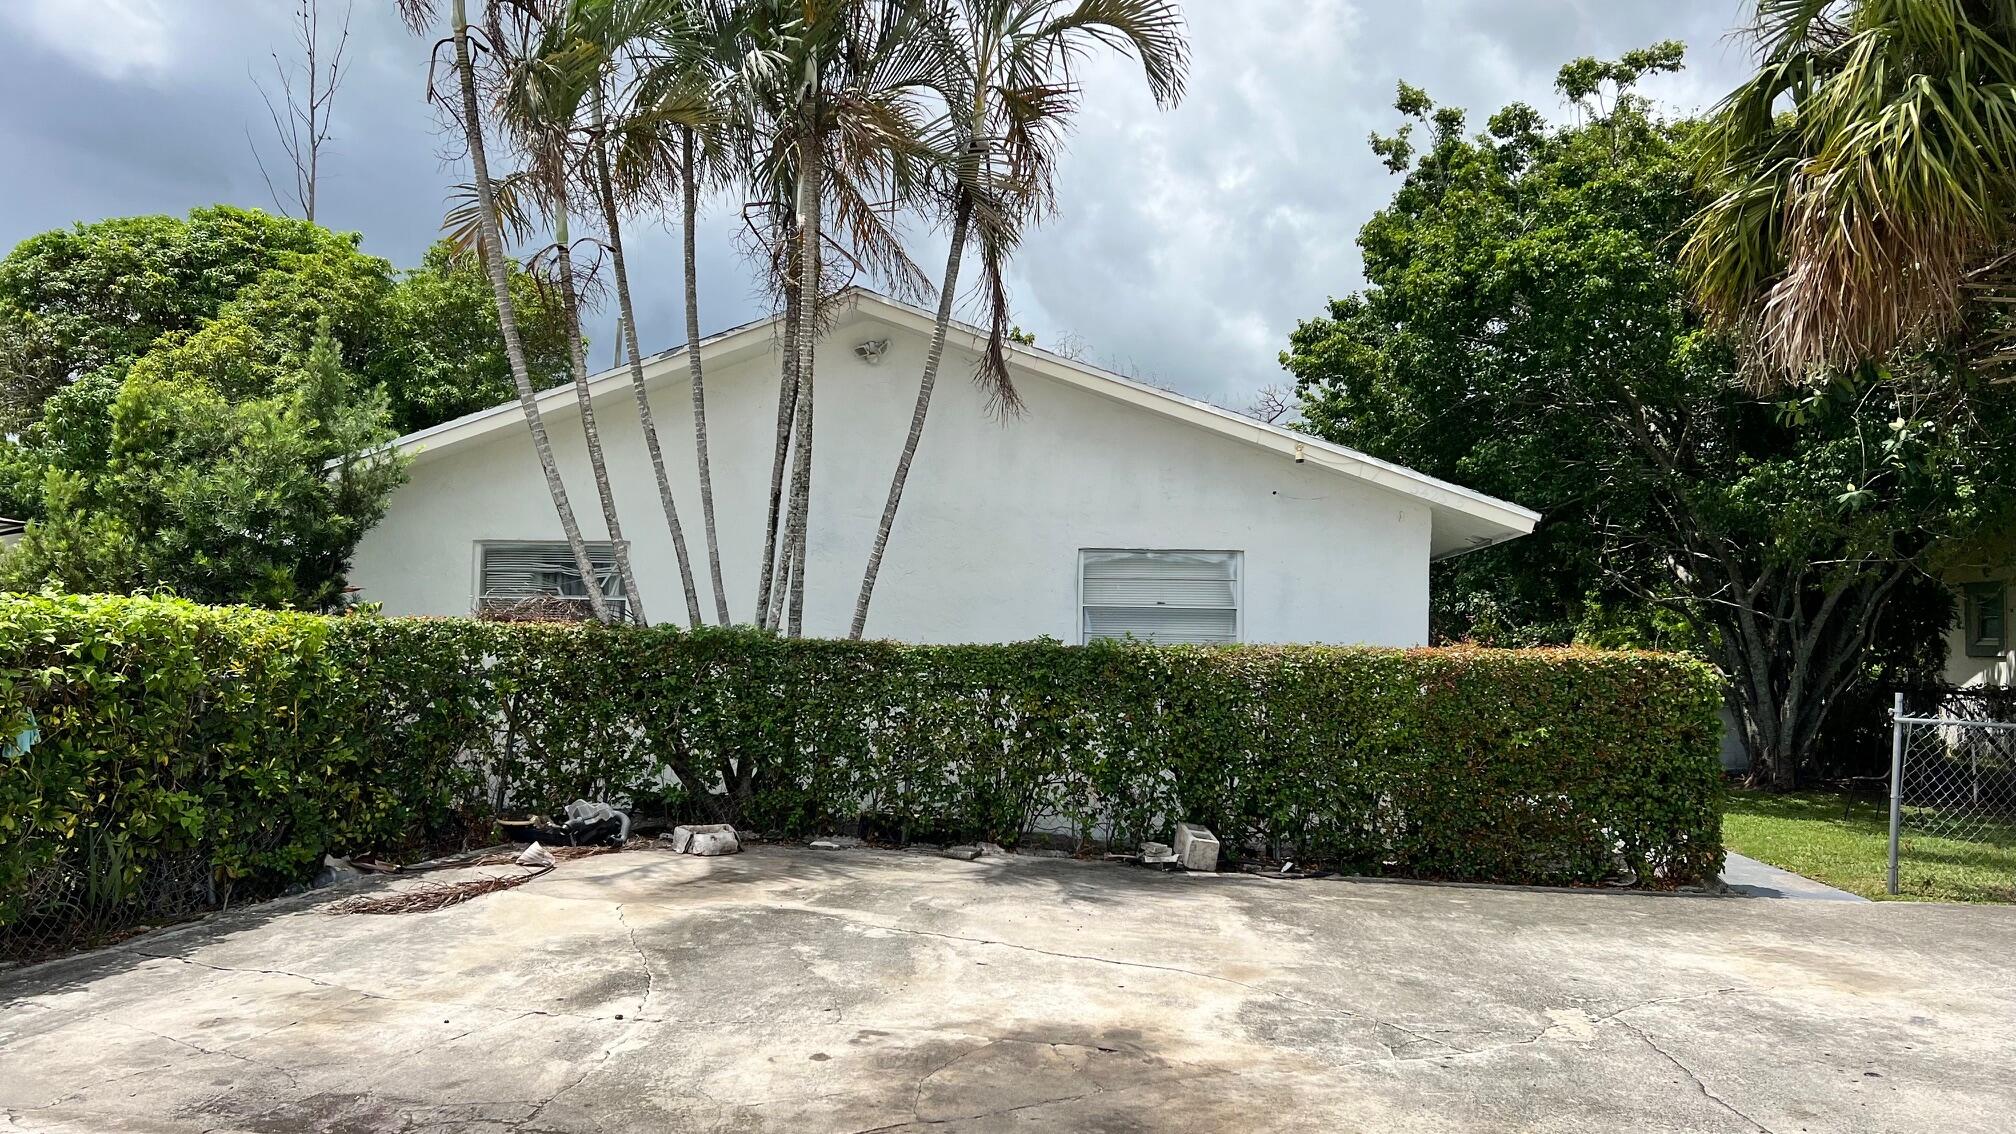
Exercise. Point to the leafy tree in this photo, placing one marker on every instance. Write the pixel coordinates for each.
(438, 354)
(1525, 330)
(75, 300)
(164, 479)
(195, 460)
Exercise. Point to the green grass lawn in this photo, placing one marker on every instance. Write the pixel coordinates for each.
(1846, 844)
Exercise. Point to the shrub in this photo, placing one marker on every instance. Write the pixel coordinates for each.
(248, 743)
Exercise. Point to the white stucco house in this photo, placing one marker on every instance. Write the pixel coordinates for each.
(1106, 507)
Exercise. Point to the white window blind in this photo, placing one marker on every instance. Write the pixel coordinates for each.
(1159, 596)
(513, 571)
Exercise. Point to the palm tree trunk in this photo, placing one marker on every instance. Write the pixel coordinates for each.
(507, 318)
(591, 434)
(787, 414)
(627, 317)
(925, 386)
(809, 188)
(689, 186)
(792, 599)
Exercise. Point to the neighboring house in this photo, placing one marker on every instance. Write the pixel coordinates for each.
(10, 532)
(1979, 650)
(1107, 507)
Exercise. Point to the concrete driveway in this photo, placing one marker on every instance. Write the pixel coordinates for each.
(802, 990)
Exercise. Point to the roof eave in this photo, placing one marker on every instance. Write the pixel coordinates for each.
(1510, 520)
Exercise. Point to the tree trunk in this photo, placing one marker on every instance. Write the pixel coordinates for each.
(791, 599)
(787, 414)
(507, 319)
(689, 191)
(809, 189)
(925, 386)
(591, 434)
(628, 344)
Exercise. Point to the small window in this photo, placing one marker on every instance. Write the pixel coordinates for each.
(513, 573)
(1985, 607)
(1159, 596)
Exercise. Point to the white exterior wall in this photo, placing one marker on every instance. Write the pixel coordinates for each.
(1966, 670)
(986, 544)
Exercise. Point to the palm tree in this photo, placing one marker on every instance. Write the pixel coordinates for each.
(721, 42)
(1864, 183)
(544, 91)
(1014, 63)
(684, 100)
(418, 14)
(668, 96)
(787, 411)
(843, 123)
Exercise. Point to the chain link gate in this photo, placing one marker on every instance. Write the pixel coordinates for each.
(1952, 776)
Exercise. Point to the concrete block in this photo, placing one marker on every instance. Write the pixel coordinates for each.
(966, 853)
(1196, 847)
(705, 839)
(1157, 853)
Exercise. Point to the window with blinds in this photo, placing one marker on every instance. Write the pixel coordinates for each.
(516, 571)
(1159, 596)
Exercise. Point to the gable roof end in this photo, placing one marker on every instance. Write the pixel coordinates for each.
(1464, 519)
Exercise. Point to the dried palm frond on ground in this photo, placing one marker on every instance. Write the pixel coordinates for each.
(433, 896)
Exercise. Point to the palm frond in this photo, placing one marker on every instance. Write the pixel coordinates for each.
(1857, 179)
(517, 200)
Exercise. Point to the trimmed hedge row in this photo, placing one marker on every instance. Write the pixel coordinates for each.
(253, 741)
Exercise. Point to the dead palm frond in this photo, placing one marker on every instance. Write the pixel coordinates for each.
(1858, 178)
(428, 897)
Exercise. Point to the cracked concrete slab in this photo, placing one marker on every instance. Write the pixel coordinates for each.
(798, 990)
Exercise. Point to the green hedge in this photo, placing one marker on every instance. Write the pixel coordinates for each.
(250, 742)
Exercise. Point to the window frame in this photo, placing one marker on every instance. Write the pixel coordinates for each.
(1236, 555)
(1974, 599)
(619, 602)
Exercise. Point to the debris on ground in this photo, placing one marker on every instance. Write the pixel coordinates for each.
(560, 853)
(430, 896)
(590, 823)
(835, 842)
(1196, 847)
(584, 823)
(536, 855)
(1158, 854)
(704, 839)
(965, 853)
(336, 872)
(993, 850)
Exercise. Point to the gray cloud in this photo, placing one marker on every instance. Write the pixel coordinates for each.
(1187, 244)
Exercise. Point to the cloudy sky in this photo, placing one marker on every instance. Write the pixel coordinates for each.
(1188, 242)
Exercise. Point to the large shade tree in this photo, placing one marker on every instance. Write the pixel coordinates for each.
(439, 355)
(1525, 330)
(75, 300)
(203, 465)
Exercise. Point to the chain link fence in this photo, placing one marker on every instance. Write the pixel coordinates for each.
(1952, 784)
